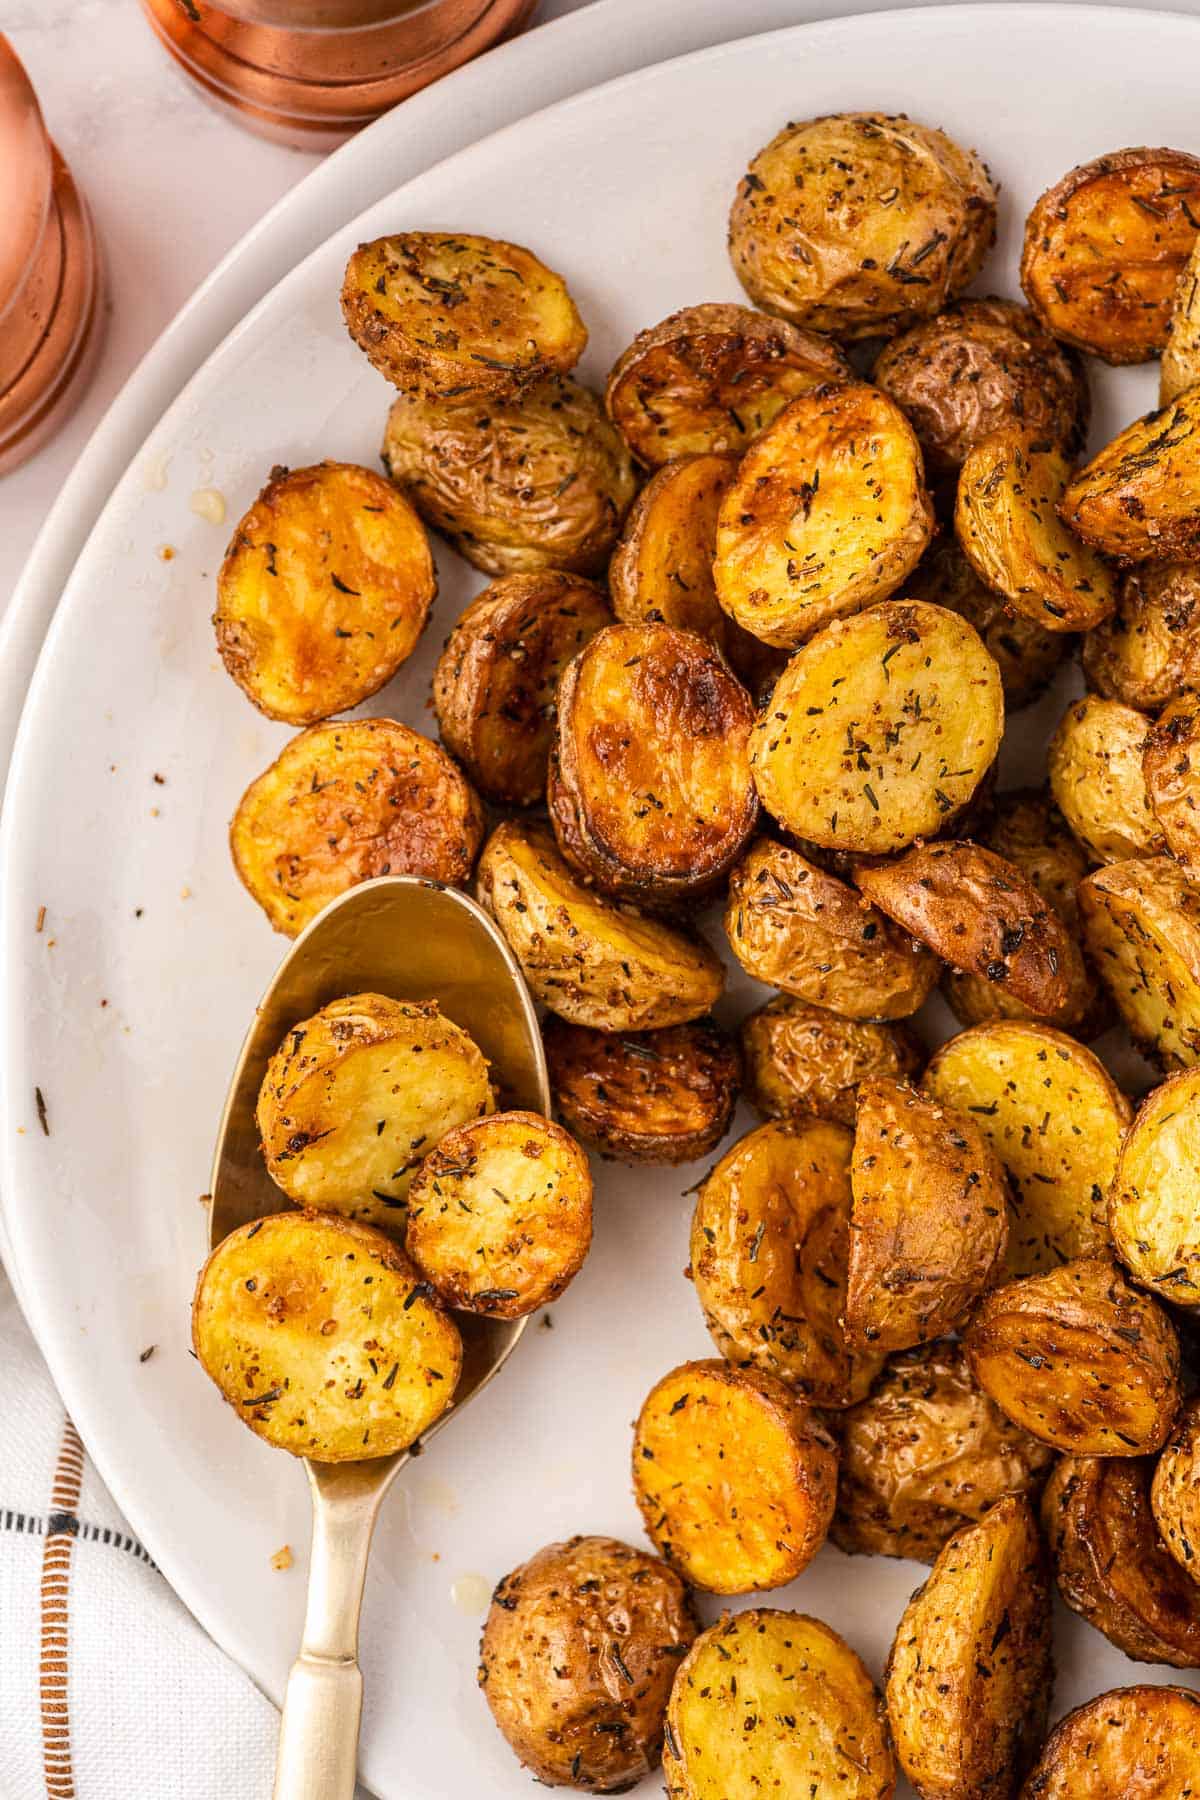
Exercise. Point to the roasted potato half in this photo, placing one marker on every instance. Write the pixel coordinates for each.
(1175, 1491)
(1110, 1565)
(590, 960)
(802, 1059)
(1133, 1740)
(1027, 655)
(1141, 925)
(708, 378)
(578, 1654)
(971, 1669)
(925, 1453)
(1148, 651)
(1152, 1211)
(1006, 515)
(770, 1239)
(1171, 767)
(797, 928)
(1079, 1358)
(735, 1478)
(1055, 1117)
(650, 792)
(495, 683)
(1095, 766)
(773, 1702)
(344, 803)
(539, 482)
(500, 1214)
(347, 1111)
(646, 1096)
(858, 223)
(1139, 499)
(827, 514)
(323, 1337)
(1104, 248)
(1180, 366)
(880, 729)
(323, 593)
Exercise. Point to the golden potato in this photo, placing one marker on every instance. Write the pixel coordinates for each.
(1133, 1740)
(1110, 1565)
(770, 1239)
(647, 1096)
(346, 1111)
(734, 1476)
(1139, 499)
(1175, 1490)
(1095, 766)
(802, 1059)
(1055, 1117)
(797, 928)
(323, 593)
(321, 1334)
(1148, 651)
(1104, 248)
(539, 482)
(772, 1702)
(495, 682)
(1180, 366)
(1026, 654)
(708, 378)
(1006, 515)
(1141, 926)
(925, 1453)
(971, 1668)
(347, 802)
(1171, 766)
(578, 1654)
(591, 960)
(441, 310)
(1080, 1359)
(650, 791)
(500, 1214)
(1152, 1196)
(880, 729)
(859, 223)
(827, 514)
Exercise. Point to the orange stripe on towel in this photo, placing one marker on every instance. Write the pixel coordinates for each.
(56, 1573)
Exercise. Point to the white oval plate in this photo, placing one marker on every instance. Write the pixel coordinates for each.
(127, 1009)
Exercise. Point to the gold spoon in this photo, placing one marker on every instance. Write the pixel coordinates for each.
(412, 940)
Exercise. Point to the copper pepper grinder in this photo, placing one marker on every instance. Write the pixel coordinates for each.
(50, 275)
(310, 72)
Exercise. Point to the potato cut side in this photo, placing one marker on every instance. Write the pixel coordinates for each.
(1141, 925)
(357, 1095)
(802, 1059)
(1149, 650)
(1140, 1740)
(1171, 767)
(1098, 781)
(323, 593)
(828, 513)
(322, 1335)
(1152, 1211)
(442, 310)
(1027, 655)
(1175, 1491)
(648, 1096)
(880, 729)
(1180, 366)
(346, 803)
(1139, 499)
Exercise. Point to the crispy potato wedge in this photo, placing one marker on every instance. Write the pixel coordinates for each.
(1152, 1197)
(859, 223)
(801, 1059)
(827, 514)
(797, 928)
(1139, 499)
(1095, 766)
(1026, 654)
(647, 1096)
(1055, 1117)
(540, 482)
(1006, 515)
(1171, 767)
(323, 593)
(1104, 248)
(1175, 1490)
(925, 1453)
(1110, 1565)
(772, 1702)
(590, 960)
(709, 378)
(346, 1111)
(650, 793)
(1141, 926)
(344, 803)
(438, 310)
(322, 1336)
(770, 1238)
(971, 1668)
(1148, 651)
(500, 1214)
(734, 1476)
(1180, 366)
(1133, 1740)
(1079, 1358)
(928, 1218)
(880, 729)
(495, 682)
(578, 1654)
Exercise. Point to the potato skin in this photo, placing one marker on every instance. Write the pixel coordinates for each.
(1141, 1735)
(971, 1669)
(808, 244)
(577, 1657)
(1139, 499)
(1141, 922)
(802, 1059)
(1079, 1358)
(495, 682)
(1148, 651)
(644, 1097)
(925, 1453)
(1104, 248)
(1180, 366)
(1171, 767)
(1096, 776)
(1026, 654)
(1151, 1200)
(1175, 1490)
